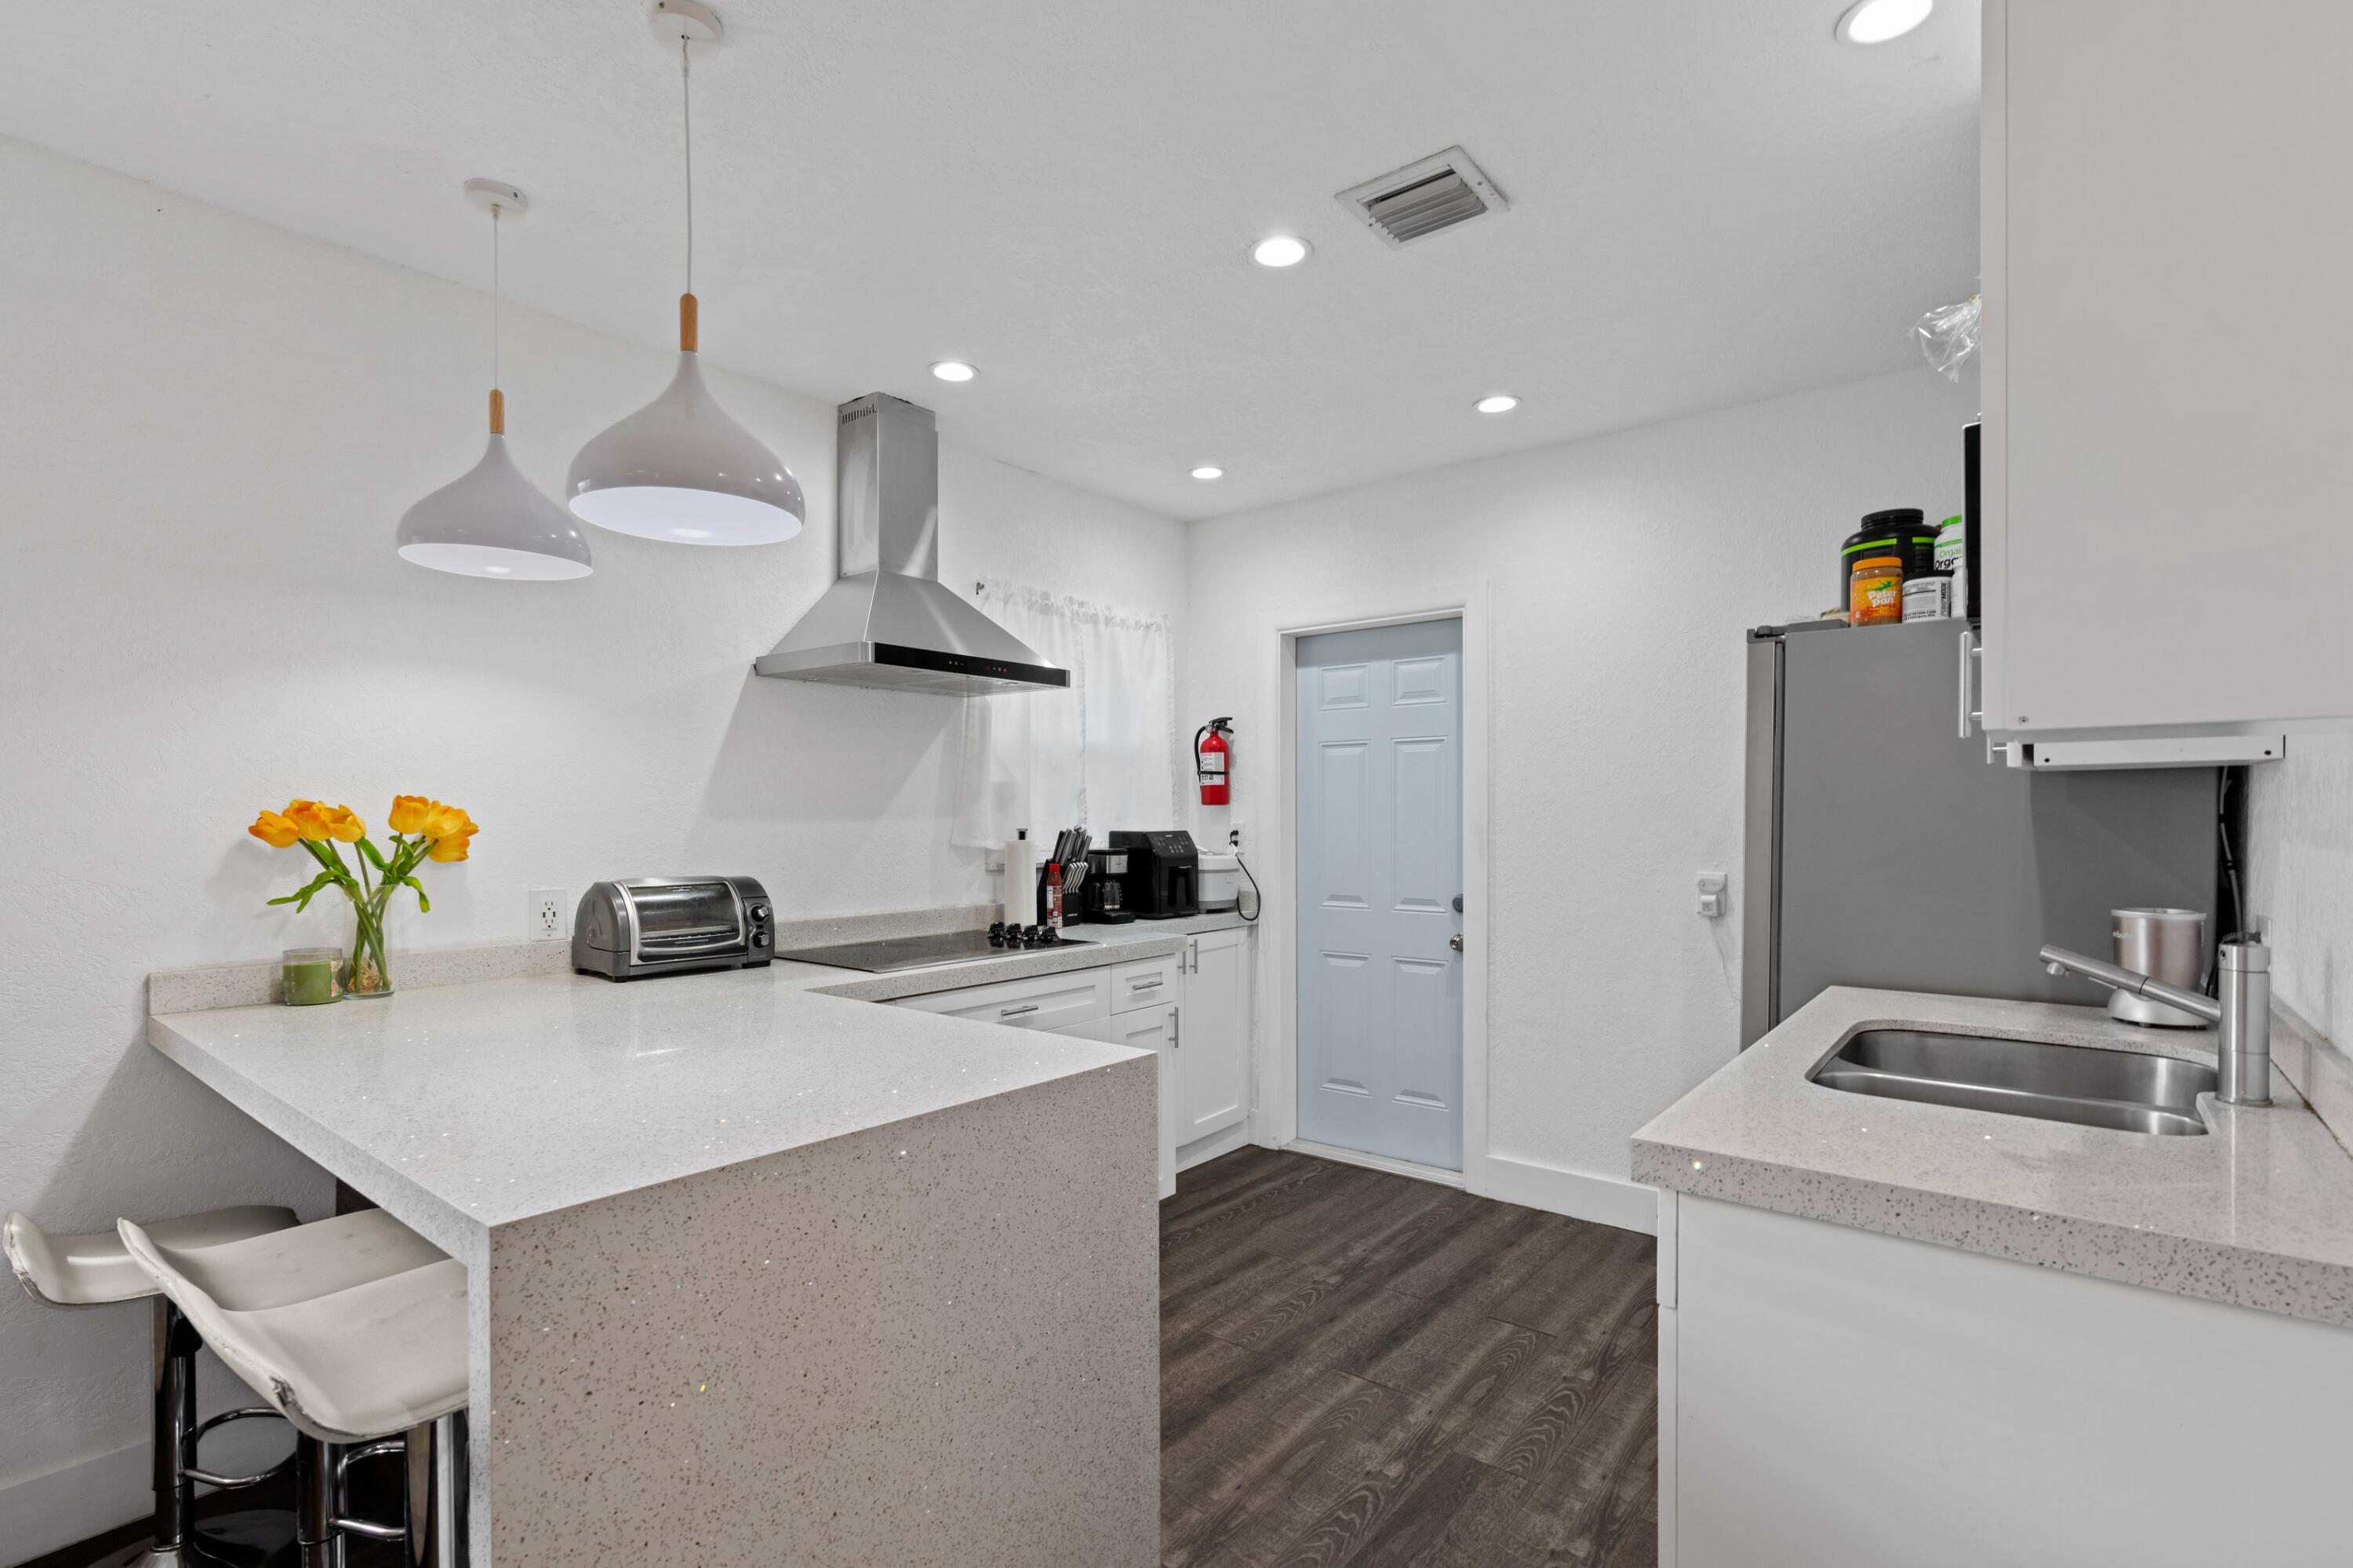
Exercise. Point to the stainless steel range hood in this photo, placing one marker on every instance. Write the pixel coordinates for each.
(888, 621)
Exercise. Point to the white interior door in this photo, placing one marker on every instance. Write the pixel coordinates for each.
(1380, 870)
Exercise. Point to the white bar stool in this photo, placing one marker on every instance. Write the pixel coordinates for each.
(97, 1270)
(374, 1365)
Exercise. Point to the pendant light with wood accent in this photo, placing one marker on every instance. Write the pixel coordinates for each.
(491, 522)
(681, 468)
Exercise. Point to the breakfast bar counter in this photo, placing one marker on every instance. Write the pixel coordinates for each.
(755, 1274)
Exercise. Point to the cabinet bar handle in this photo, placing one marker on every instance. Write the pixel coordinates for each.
(1017, 1012)
(1967, 640)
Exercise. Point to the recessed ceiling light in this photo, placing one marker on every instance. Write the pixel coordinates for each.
(1876, 21)
(1209, 470)
(1279, 250)
(954, 370)
(1496, 403)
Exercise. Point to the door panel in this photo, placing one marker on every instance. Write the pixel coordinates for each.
(1343, 798)
(1380, 862)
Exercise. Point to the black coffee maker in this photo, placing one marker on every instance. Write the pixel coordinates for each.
(1102, 897)
(1162, 871)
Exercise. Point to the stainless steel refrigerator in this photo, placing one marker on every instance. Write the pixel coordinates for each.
(1885, 850)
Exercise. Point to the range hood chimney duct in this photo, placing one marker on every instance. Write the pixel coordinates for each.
(887, 622)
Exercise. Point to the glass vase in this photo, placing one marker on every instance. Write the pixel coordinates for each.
(371, 972)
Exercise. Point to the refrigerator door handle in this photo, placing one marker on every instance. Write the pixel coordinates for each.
(1969, 651)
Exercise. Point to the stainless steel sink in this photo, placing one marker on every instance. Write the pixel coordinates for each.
(2119, 1090)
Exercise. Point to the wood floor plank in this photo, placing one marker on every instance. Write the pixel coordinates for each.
(1484, 1256)
(1209, 1285)
(1389, 1516)
(1250, 1204)
(1580, 1279)
(1248, 1523)
(1364, 1370)
(1403, 1210)
(1521, 1428)
(1234, 1411)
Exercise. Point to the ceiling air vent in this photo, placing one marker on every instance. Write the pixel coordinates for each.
(1440, 192)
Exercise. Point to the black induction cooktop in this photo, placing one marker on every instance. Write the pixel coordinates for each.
(920, 952)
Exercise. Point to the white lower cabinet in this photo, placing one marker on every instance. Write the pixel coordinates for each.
(1050, 1002)
(1213, 1039)
(1830, 1395)
(1153, 1029)
(1189, 1008)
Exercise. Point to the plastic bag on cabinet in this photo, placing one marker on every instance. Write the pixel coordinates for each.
(1948, 335)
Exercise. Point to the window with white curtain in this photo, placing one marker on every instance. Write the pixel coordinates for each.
(1100, 754)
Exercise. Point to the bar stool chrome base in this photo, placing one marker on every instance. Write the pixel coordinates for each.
(433, 1484)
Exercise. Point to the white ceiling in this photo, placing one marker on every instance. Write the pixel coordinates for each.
(1713, 201)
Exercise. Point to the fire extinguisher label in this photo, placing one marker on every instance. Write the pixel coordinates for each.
(1213, 762)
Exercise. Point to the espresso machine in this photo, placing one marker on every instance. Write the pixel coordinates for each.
(1161, 875)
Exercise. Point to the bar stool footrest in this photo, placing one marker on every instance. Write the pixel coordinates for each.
(370, 1529)
(230, 1483)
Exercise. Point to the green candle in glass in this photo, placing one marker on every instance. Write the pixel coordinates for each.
(311, 975)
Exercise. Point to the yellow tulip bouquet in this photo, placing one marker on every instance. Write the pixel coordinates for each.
(422, 829)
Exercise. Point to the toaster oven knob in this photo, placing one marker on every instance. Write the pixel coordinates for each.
(759, 938)
(759, 912)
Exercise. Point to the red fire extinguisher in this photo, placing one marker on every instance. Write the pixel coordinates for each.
(1212, 759)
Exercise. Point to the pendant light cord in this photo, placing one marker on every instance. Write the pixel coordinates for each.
(498, 299)
(686, 108)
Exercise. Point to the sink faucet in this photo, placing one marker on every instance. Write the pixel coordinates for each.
(2242, 1018)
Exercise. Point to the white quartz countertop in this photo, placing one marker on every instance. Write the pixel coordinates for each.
(2259, 1212)
(466, 1107)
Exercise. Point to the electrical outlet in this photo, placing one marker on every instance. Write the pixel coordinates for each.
(547, 913)
(1237, 831)
(1711, 894)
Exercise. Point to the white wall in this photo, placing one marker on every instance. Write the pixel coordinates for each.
(208, 428)
(2299, 872)
(1623, 570)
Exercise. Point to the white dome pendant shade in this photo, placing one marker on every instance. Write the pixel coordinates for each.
(681, 468)
(491, 522)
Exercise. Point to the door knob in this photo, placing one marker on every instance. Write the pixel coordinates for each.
(1455, 941)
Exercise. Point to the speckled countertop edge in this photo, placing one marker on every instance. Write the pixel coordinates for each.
(2257, 1213)
(178, 1036)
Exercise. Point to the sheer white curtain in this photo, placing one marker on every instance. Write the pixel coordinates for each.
(1100, 754)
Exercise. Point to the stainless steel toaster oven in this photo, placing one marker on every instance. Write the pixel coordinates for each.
(672, 924)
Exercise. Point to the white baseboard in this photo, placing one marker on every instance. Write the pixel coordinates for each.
(1604, 1199)
(73, 1502)
(1376, 1162)
(1209, 1148)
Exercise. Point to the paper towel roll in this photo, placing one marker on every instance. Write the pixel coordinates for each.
(1018, 894)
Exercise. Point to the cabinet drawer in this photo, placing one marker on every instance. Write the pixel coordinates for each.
(1148, 982)
(1050, 1001)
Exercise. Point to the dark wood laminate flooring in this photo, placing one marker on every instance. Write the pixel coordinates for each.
(1363, 1368)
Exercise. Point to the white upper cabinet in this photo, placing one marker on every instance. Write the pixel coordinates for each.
(2167, 368)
